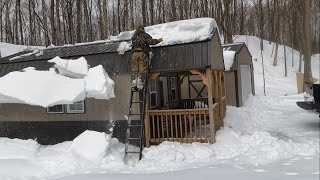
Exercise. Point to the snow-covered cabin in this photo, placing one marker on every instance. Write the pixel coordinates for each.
(177, 110)
(239, 75)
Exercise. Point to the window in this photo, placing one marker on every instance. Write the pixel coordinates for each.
(173, 87)
(153, 93)
(57, 109)
(77, 107)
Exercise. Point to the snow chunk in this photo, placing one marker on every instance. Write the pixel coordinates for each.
(91, 145)
(71, 68)
(40, 88)
(123, 47)
(178, 32)
(228, 59)
(98, 83)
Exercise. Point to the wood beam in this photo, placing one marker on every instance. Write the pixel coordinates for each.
(210, 104)
(154, 75)
(204, 78)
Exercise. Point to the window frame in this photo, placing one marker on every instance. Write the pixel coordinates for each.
(154, 91)
(50, 112)
(173, 88)
(69, 111)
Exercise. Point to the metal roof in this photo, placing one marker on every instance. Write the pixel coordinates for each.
(63, 52)
(178, 57)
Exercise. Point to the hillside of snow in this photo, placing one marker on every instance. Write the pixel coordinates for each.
(7, 49)
(276, 82)
(270, 137)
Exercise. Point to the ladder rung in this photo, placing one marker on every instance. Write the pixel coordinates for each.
(135, 125)
(137, 102)
(135, 114)
(133, 152)
(134, 138)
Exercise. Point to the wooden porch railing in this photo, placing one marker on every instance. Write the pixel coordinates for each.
(180, 125)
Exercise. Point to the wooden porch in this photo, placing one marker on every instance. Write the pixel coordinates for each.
(193, 119)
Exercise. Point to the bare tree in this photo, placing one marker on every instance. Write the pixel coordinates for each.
(307, 41)
(45, 23)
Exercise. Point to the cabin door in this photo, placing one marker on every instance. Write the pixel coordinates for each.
(163, 88)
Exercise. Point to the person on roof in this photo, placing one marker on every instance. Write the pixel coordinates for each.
(141, 42)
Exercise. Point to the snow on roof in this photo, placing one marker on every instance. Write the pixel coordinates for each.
(77, 68)
(47, 88)
(98, 83)
(7, 49)
(41, 88)
(178, 32)
(228, 59)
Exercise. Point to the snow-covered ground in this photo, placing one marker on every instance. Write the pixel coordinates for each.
(269, 138)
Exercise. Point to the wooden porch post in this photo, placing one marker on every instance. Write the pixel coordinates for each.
(147, 117)
(210, 102)
(217, 99)
(220, 94)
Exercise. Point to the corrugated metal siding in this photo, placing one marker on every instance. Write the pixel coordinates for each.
(180, 57)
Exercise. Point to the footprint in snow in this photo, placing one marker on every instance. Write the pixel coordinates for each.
(287, 164)
(295, 159)
(259, 170)
(87, 172)
(316, 173)
(239, 167)
(292, 173)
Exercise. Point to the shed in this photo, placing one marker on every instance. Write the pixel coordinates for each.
(171, 114)
(239, 75)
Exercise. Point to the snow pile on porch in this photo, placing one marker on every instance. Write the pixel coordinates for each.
(178, 32)
(77, 68)
(47, 88)
(228, 57)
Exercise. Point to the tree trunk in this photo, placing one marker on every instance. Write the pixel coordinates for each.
(275, 60)
(45, 23)
(173, 10)
(58, 28)
(144, 16)
(105, 18)
(53, 27)
(307, 42)
(151, 7)
(285, 61)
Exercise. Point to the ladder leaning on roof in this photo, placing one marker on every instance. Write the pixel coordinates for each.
(135, 131)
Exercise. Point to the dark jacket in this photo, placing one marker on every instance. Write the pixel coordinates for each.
(141, 41)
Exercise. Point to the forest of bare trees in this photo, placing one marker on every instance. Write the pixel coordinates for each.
(45, 22)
